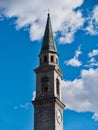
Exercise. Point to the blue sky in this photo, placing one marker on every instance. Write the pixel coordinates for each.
(75, 26)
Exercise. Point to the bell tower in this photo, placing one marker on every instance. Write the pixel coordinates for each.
(48, 108)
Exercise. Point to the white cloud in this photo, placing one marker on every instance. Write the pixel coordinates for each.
(94, 64)
(78, 52)
(93, 61)
(75, 61)
(95, 116)
(33, 13)
(65, 19)
(22, 106)
(81, 94)
(72, 23)
(93, 53)
(92, 27)
(91, 65)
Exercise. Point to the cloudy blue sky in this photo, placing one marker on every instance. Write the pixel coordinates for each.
(75, 27)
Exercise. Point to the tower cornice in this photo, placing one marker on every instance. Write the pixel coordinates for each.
(48, 101)
(48, 68)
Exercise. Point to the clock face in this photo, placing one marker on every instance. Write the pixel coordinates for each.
(59, 116)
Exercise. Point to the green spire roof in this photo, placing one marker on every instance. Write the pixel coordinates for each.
(48, 43)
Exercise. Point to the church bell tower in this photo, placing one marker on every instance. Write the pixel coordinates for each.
(48, 108)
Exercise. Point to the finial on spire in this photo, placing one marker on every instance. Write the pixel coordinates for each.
(48, 11)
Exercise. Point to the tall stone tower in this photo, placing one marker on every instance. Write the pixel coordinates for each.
(48, 108)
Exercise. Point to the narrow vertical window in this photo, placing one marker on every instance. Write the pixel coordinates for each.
(57, 86)
(52, 59)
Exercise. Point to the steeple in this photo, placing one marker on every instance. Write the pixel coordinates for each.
(48, 44)
(48, 107)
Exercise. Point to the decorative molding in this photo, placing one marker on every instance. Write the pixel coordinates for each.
(48, 101)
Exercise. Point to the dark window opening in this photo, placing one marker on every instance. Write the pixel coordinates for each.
(52, 59)
(57, 86)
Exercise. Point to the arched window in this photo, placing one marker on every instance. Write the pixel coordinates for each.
(52, 59)
(45, 58)
(44, 84)
(57, 86)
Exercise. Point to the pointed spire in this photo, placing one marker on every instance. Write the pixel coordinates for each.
(48, 43)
